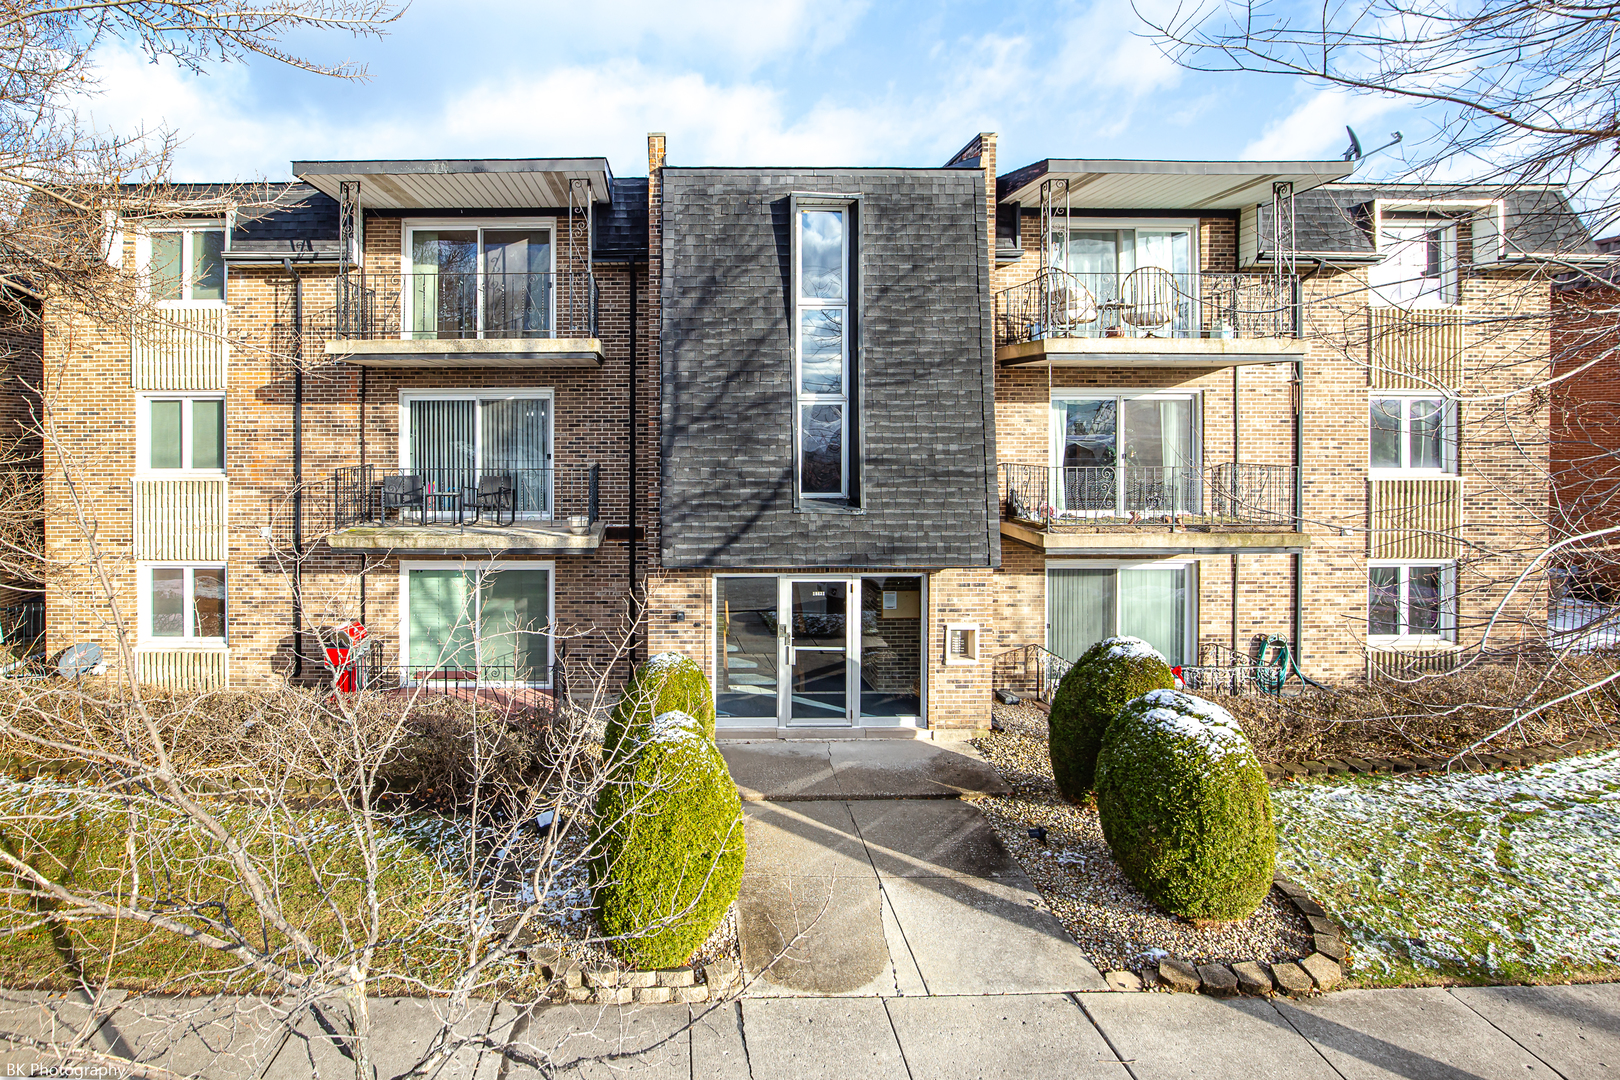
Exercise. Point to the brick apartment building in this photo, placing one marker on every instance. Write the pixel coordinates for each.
(498, 410)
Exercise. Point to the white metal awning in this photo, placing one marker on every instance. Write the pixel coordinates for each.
(480, 184)
(1104, 184)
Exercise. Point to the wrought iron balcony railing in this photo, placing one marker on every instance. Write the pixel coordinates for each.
(440, 306)
(365, 495)
(1147, 302)
(1224, 495)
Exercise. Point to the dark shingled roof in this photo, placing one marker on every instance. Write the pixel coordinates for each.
(298, 220)
(1337, 218)
(621, 229)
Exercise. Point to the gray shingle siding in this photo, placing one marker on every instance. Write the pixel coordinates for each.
(1338, 218)
(926, 407)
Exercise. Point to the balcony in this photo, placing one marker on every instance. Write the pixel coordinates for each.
(1148, 317)
(439, 320)
(1213, 508)
(483, 511)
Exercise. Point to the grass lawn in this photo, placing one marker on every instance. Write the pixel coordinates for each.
(84, 837)
(1475, 877)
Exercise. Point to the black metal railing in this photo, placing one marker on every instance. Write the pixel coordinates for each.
(22, 627)
(450, 675)
(481, 495)
(439, 306)
(1147, 302)
(1228, 494)
(1030, 669)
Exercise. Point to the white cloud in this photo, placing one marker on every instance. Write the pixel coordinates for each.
(1315, 128)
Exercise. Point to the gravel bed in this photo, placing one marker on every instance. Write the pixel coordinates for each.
(1114, 924)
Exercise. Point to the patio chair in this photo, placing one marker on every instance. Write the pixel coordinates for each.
(403, 492)
(1151, 298)
(1071, 306)
(496, 492)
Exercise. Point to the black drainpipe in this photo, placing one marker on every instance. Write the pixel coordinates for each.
(1299, 477)
(635, 316)
(298, 468)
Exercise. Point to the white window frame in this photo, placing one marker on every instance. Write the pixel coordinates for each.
(1061, 395)
(478, 569)
(1448, 434)
(187, 640)
(1188, 565)
(846, 204)
(1116, 225)
(143, 432)
(143, 260)
(412, 225)
(1404, 638)
(1385, 290)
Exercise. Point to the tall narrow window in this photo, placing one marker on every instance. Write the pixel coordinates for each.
(822, 378)
(188, 264)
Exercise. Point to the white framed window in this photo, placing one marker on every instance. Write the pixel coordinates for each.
(1090, 599)
(182, 603)
(180, 433)
(1411, 603)
(1419, 268)
(1411, 433)
(470, 279)
(453, 439)
(823, 292)
(184, 262)
(485, 623)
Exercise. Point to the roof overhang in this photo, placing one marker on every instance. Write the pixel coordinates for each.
(476, 184)
(465, 353)
(1123, 352)
(1111, 184)
(1147, 540)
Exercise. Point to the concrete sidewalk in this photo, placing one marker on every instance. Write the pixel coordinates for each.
(1494, 1033)
(790, 770)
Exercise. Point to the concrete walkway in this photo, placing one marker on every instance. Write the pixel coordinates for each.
(866, 877)
(1493, 1033)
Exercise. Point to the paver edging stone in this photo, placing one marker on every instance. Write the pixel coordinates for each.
(606, 985)
(1320, 970)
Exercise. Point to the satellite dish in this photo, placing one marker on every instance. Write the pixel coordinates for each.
(1354, 152)
(81, 659)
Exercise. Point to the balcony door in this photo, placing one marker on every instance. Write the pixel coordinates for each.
(488, 625)
(478, 283)
(455, 441)
(1125, 454)
(1152, 601)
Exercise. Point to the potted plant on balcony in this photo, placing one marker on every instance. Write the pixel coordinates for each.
(579, 524)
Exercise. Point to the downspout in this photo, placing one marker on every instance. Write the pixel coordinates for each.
(635, 317)
(298, 468)
(1299, 480)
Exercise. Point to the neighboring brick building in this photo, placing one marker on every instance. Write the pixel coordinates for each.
(723, 411)
(1586, 425)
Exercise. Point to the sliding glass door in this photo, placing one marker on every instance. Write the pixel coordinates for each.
(456, 441)
(1125, 454)
(1152, 601)
(479, 283)
(486, 625)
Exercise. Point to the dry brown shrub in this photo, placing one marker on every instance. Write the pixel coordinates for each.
(1440, 715)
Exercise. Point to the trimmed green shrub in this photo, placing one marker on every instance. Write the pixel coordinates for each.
(667, 682)
(668, 844)
(1106, 676)
(1185, 807)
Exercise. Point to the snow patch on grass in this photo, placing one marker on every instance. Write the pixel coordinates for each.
(1486, 876)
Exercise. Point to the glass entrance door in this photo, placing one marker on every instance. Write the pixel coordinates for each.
(817, 636)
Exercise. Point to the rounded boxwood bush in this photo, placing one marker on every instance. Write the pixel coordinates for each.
(1106, 676)
(667, 682)
(667, 844)
(1185, 807)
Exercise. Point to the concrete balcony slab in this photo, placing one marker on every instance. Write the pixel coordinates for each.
(524, 538)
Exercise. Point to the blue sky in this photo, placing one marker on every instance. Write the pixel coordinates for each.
(835, 82)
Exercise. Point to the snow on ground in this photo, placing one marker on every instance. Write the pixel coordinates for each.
(1495, 876)
(1583, 626)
